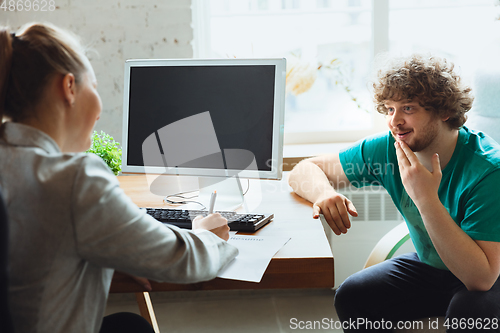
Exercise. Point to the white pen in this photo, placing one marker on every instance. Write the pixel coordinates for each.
(212, 202)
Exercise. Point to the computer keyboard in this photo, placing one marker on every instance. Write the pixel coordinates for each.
(236, 221)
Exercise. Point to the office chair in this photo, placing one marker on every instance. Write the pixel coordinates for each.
(385, 249)
(388, 245)
(5, 319)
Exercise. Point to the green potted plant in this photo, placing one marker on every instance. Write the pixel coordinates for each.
(104, 146)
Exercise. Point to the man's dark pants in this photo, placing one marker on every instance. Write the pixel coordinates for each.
(405, 289)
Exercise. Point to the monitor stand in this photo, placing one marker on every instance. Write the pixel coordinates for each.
(229, 192)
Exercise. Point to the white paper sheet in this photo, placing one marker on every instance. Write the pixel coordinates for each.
(253, 258)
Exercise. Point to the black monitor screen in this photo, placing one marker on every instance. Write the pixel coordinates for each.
(240, 100)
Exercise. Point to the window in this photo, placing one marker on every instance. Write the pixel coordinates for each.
(330, 47)
(454, 29)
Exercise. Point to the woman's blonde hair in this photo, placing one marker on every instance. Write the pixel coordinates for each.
(429, 79)
(29, 59)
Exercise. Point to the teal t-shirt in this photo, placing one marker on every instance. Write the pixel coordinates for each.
(469, 189)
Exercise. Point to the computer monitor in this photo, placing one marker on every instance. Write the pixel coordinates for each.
(217, 119)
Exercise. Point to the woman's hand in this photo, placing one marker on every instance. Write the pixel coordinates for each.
(214, 223)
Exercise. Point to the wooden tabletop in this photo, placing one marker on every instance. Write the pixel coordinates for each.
(306, 261)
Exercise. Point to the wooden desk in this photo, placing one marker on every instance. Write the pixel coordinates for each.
(306, 261)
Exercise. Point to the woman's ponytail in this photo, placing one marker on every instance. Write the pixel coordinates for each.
(29, 59)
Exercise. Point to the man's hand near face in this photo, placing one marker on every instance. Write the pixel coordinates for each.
(421, 184)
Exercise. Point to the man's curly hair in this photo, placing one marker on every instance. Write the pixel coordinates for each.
(429, 79)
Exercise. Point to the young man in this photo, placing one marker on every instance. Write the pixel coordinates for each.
(444, 179)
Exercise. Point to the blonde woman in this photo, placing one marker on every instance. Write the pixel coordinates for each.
(70, 223)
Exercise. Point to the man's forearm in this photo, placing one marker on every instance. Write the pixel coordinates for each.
(309, 181)
(460, 253)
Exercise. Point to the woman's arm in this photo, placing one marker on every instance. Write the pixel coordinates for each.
(111, 231)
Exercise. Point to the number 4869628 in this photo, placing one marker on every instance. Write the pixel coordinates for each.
(28, 5)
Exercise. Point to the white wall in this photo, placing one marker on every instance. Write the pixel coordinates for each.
(118, 30)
